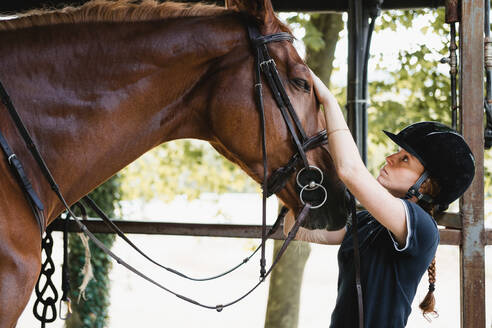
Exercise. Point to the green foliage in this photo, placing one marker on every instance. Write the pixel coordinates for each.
(419, 89)
(187, 167)
(416, 91)
(313, 39)
(92, 311)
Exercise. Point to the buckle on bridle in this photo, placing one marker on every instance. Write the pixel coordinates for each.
(266, 62)
(9, 159)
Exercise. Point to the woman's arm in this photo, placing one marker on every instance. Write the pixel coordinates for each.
(385, 208)
(318, 236)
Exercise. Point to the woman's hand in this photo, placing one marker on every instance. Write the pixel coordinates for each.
(324, 95)
(319, 236)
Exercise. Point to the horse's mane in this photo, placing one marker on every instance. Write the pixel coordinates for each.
(110, 11)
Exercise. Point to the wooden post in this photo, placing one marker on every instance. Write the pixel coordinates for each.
(472, 260)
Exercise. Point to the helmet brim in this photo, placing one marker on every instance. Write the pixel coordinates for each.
(400, 142)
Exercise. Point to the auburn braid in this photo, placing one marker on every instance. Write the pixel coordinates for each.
(431, 188)
(427, 305)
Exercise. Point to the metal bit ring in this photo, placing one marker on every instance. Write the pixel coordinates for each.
(317, 183)
(317, 186)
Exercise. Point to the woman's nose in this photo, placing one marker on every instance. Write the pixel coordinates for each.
(391, 158)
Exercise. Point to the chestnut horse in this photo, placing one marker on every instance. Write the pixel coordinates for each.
(99, 85)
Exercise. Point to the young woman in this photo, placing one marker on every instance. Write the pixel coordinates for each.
(398, 236)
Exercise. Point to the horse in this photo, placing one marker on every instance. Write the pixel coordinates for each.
(100, 84)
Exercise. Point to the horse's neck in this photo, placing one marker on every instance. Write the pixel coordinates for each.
(95, 100)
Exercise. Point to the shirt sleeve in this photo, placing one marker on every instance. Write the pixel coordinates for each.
(422, 232)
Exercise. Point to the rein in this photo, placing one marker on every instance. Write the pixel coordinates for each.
(263, 63)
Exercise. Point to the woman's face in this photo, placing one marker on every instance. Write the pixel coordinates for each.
(400, 172)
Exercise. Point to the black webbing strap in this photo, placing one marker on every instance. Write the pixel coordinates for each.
(414, 190)
(358, 284)
(91, 204)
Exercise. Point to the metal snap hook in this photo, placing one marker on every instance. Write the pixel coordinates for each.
(307, 187)
(65, 312)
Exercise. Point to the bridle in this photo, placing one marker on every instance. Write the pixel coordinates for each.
(263, 63)
(279, 178)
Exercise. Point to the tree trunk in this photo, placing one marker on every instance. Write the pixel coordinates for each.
(321, 62)
(286, 278)
(285, 285)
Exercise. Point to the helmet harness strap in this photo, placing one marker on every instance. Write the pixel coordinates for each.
(414, 190)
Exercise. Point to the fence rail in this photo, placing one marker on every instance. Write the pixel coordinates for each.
(448, 236)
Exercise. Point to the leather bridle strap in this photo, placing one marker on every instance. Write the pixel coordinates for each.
(111, 225)
(259, 104)
(266, 64)
(278, 179)
(16, 166)
(355, 237)
(300, 219)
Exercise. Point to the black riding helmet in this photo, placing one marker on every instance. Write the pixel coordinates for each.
(445, 156)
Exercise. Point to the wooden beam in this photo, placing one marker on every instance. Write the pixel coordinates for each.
(448, 236)
(472, 252)
(449, 220)
(170, 228)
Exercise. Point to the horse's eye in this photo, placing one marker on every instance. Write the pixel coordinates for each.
(301, 84)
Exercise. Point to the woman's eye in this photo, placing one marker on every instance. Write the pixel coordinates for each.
(301, 84)
(405, 158)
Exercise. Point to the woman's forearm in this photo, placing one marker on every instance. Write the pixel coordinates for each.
(341, 144)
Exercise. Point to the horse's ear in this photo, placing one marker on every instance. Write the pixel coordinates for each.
(262, 10)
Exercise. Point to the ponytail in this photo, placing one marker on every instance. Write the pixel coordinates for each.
(427, 305)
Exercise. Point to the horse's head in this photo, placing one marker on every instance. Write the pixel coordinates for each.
(235, 119)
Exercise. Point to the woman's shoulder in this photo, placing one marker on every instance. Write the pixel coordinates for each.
(417, 213)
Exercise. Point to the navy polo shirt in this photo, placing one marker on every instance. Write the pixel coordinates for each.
(389, 274)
